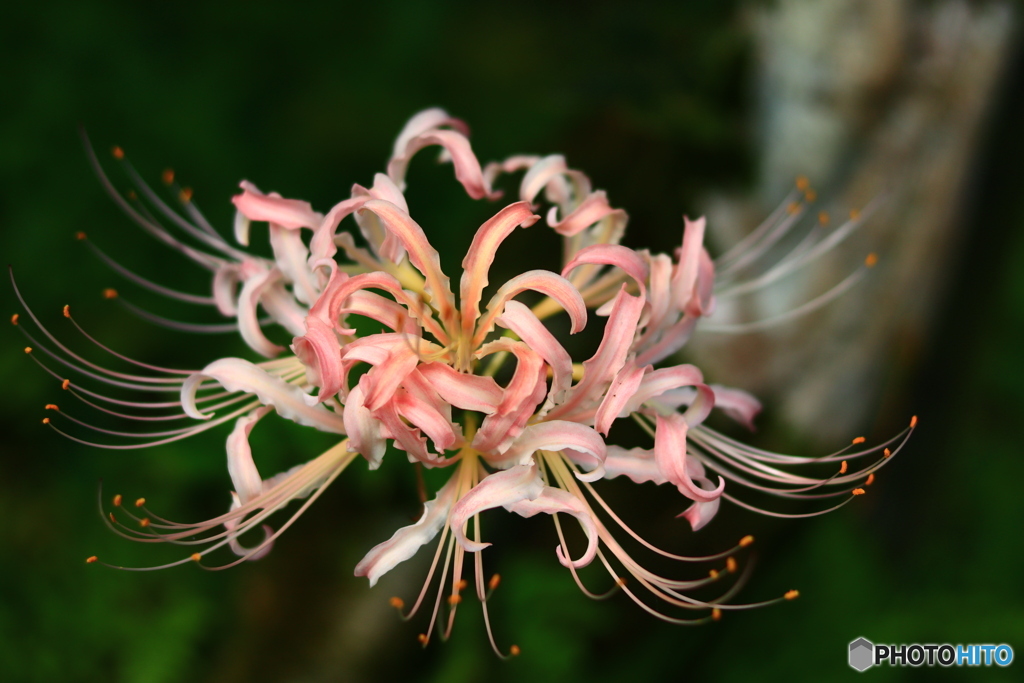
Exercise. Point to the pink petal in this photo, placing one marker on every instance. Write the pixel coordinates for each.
(555, 436)
(288, 213)
(659, 381)
(426, 417)
(519, 402)
(248, 318)
(543, 281)
(699, 514)
(612, 255)
(507, 487)
(236, 547)
(363, 428)
(322, 246)
(384, 311)
(510, 165)
(552, 501)
(636, 463)
(540, 174)
(422, 122)
(241, 228)
(235, 374)
(244, 476)
(610, 356)
(291, 255)
(623, 387)
(673, 339)
(384, 378)
(480, 256)
(671, 457)
(685, 278)
(469, 392)
(591, 210)
(737, 404)
(521, 320)
(467, 167)
(422, 256)
(320, 352)
(409, 539)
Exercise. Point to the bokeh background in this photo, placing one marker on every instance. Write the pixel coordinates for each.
(698, 107)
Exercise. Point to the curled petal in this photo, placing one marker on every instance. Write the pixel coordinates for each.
(422, 256)
(623, 387)
(236, 374)
(321, 245)
(428, 418)
(684, 280)
(555, 436)
(636, 463)
(552, 501)
(456, 145)
(671, 458)
(248, 319)
(241, 468)
(505, 488)
(543, 281)
(469, 392)
(521, 320)
(700, 513)
(291, 254)
(408, 540)
(481, 255)
(363, 428)
(660, 381)
(288, 213)
(737, 404)
(421, 123)
(592, 209)
(540, 174)
(236, 547)
(320, 352)
(612, 255)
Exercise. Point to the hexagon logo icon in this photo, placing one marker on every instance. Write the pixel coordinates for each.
(862, 654)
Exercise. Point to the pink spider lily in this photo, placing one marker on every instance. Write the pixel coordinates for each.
(536, 444)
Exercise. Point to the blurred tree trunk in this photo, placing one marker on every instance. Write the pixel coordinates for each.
(870, 99)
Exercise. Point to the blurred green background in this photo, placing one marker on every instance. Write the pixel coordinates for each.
(656, 106)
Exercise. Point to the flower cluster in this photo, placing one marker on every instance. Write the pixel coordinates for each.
(425, 384)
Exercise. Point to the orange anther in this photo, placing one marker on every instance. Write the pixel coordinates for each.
(514, 650)
(810, 195)
(713, 574)
(620, 581)
(802, 183)
(113, 519)
(870, 479)
(792, 595)
(454, 599)
(730, 564)
(14, 319)
(793, 207)
(65, 384)
(495, 580)
(858, 440)
(854, 214)
(423, 638)
(858, 492)
(913, 422)
(28, 349)
(195, 557)
(144, 522)
(91, 559)
(117, 500)
(887, 452)
(52, 406)
(716, 614)
(185, 195)
(109, 293)
(46, 420)
(746, 540)
(823, 217)
(871, 259)
(117, 152)
(140, 502)
(397, 602)
(461, 584)
(842, 468)
(80, 235)
(167, 176)
(67, 311)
